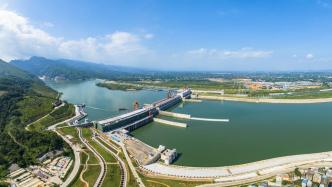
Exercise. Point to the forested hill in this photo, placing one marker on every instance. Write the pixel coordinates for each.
(7, 70)
(73, 70)
(23, 99)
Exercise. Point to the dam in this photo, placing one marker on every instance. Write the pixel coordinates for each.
(256, 131)
(137, 118)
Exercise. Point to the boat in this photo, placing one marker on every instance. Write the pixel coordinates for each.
(122, 109)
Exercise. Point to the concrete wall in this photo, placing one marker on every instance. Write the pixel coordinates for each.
(172, 123)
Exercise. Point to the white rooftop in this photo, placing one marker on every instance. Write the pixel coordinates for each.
(126, 115)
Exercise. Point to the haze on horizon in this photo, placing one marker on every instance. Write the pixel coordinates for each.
(225, 35)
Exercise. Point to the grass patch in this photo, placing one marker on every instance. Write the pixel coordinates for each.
(307, 95)
(83, 157)
(113, 176)
(106, 145)
(87, 134)
(61, 114)
(70, 131)
(105, 154)
(155, 182)
(44, 90)
(92, 174)
(92, 158)
(41, 107)
(62, 125)
(77, 182)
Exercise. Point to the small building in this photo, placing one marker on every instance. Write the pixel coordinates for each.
(13, 168)
(116, 137)
(329, 173)
(279, 180)
(161, 148)
(57, 103)
(304, 182)
(169, 155)
(310, 174)
(263, 184)
(50, 155)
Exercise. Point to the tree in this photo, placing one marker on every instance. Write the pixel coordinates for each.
(297, 172)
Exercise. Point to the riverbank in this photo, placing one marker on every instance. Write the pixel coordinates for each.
(266, 100)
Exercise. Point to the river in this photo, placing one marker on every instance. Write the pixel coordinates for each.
(256, 131)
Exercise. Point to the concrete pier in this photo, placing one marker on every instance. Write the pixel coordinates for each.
(210, 119)
(176, 115)
(173, 123)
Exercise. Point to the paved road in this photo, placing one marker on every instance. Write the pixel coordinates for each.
(54, 109)
(77, 163)
(132, 168)
(77, 113)
(102, 163)
(124, 171)
(264, 177)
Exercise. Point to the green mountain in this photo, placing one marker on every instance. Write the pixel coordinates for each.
(23, 99)
(7, 70)
(73, 70)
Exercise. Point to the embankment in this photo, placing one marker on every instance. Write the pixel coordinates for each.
(264, 100)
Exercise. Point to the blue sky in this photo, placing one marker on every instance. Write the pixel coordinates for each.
(173, 34)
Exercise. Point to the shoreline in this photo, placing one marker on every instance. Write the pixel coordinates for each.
(241, 172)
(265, 100)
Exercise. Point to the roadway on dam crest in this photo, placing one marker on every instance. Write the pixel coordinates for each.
(237, 172)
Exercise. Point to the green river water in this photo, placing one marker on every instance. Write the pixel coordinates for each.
(256, 131)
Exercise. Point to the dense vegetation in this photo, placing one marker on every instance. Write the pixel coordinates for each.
(116, 86)
(230, 87)
(54, 117)
(25, 99)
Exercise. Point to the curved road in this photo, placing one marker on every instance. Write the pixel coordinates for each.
(102, 162)
(54, 109)
(77, 114)
(130, 164)
(77, 163)
(123, 169)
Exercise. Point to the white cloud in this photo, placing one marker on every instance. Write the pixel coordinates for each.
(148, 36)
(48, 24)
(309, 56)
(244, 53)
(20, 39)
(4, 6)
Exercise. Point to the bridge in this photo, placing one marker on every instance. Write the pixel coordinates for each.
(137, 118)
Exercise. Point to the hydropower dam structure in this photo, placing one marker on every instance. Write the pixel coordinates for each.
(142, 116)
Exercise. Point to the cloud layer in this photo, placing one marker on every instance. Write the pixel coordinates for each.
(220, 54)
(20, 39)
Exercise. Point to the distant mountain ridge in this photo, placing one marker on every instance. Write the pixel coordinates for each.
(8, 71)
(72, 69)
